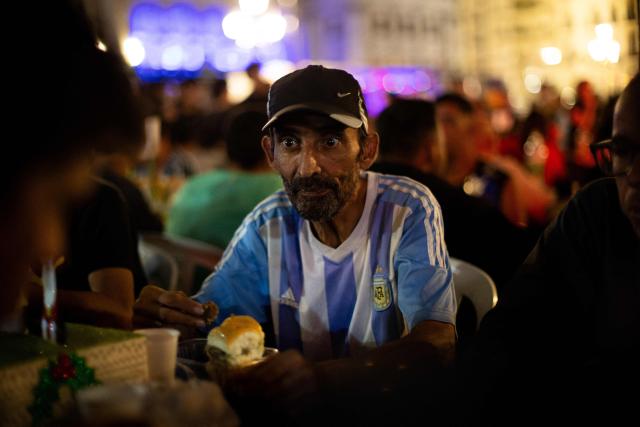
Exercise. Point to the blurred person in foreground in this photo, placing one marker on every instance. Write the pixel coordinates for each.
(99, 267)
(564, 341)
(346, 269)
(51, 165)
(211, 206)
(410, 145)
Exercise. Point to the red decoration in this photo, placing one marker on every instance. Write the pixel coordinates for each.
(64, 370)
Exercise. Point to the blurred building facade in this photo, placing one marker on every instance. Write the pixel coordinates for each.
(383, 32)
(504, 38)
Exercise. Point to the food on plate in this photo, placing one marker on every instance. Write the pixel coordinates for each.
(239, 339)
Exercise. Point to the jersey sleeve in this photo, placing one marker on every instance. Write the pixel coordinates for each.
(424, 277)
(239, 284)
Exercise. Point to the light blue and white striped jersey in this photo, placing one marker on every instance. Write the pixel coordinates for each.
(391, 273)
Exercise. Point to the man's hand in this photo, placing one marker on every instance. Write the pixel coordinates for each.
(158, 305)
(287, 381)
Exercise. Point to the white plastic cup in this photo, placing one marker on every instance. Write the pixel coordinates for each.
(162, 350)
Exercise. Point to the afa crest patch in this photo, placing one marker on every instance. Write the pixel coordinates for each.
(381, 290)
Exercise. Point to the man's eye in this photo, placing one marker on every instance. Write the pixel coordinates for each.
(288, 142)
(332, 141)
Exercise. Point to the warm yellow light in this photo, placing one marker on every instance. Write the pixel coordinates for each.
(551, 55)
(133, 51)
(532, 83)
(101, 46)
(613, 52)
(604, 47)
(239, 86)
(568, 96)
(604, 32)
(276, 68)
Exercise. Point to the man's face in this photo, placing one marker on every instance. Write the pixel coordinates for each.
(626, 137)
(319, 160)
(456, 127)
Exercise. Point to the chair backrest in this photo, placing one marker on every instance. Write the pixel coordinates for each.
(195, 259)
(160, 266)
(476, 285)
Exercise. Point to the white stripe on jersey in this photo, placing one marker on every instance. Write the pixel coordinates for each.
(435, 245)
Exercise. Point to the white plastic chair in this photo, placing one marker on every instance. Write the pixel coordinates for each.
(192, 257)
(472, 282)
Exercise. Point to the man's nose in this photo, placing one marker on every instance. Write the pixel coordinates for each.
(308, 163)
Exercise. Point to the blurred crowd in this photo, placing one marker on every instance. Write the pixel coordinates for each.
(527, 165)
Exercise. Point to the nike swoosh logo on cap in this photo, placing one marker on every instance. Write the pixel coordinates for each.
(342, 95)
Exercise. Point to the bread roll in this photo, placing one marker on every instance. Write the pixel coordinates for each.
(240, 337)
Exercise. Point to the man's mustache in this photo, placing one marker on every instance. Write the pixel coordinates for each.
(312, 183)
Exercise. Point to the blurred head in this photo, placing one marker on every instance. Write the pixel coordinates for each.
(242, 139)
(219, 88)
(408, 133)
(253, 70)
(192, 97)
(584, 91)
(454, 115)
(626, 149)
(318, 139)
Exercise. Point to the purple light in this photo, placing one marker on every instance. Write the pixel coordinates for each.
(182, 39)
(379, 84)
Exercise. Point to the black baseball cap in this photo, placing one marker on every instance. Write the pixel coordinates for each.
(333, 92)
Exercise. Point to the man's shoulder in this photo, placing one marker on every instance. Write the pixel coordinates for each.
(404, 191)
(277, 205)
(597, 201)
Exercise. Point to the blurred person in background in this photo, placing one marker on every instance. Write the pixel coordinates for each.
(211, 206)
(502, 119)
(583, 119)
(500, 180)
(116, 169)
(183, 141)
(213, 126)
(410, 145)
(260, 87)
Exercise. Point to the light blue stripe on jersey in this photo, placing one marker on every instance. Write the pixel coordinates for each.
(340, 288)
(422, 250)
(246, 289)
(291, 279)
(384, 324)
(406, 192)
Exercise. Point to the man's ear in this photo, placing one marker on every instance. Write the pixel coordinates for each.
(369, 150)
(268, 148)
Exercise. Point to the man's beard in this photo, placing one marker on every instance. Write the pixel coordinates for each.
(322, 207)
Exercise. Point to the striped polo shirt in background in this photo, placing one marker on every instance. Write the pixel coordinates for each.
(391, 273)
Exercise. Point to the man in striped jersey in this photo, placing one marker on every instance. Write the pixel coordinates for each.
(341, 263)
